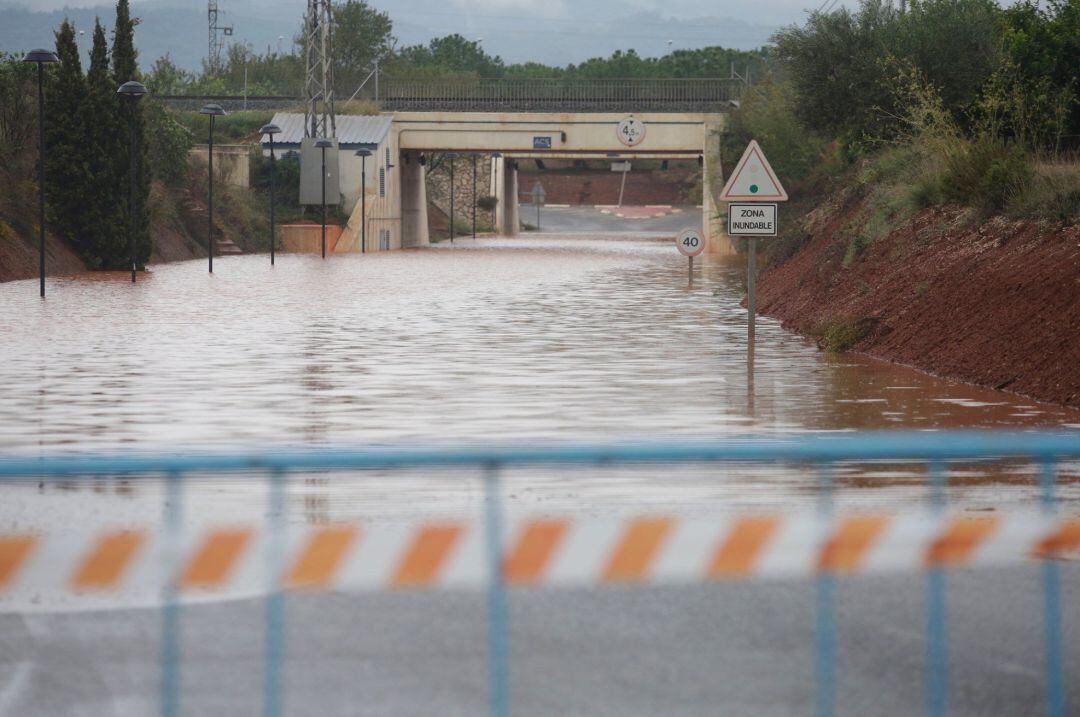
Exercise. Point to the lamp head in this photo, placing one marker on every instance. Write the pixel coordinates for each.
(132, 90)
(270, 129)
(214, 110)
(363, 153)
(323, 143)
(41, 57)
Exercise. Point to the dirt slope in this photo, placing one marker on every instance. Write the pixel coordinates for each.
(995, 304)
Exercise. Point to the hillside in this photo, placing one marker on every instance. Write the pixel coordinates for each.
(994, 303)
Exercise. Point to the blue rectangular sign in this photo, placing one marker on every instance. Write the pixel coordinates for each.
(541, 142)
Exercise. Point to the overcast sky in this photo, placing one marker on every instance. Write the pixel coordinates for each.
(765, 12)
(554, 32)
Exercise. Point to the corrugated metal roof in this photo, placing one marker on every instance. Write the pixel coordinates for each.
(351, 129)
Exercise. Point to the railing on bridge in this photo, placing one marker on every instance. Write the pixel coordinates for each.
(560, 95)
(495, 553)
(518, 95)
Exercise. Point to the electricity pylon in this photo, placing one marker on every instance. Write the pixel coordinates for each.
(217, 35)
(319, 119)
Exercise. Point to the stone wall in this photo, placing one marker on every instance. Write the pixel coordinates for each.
(438, 185)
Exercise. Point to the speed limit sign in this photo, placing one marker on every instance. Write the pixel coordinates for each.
(690, 242)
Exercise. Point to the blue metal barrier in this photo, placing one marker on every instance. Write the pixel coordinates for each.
(823, 451)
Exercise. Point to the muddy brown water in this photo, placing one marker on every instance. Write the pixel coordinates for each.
(538, 338)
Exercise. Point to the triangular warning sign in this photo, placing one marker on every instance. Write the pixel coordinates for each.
(753, 179)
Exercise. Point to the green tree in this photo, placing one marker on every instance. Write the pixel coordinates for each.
(125, 67)
(362, 35)
(1044, 49)
(67, 176)
(106, 141)
(165, 78)
(451, 54)
(18, 110)
(954, 44)
(840, 83)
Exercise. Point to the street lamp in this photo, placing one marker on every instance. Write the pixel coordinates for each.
(41, 58)
(270, 130)
(474, 196)
(213, 110)
(363, 154)
(324, 144)
(452, 155)
(132, 91)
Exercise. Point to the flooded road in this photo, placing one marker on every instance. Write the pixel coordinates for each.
(551, 337)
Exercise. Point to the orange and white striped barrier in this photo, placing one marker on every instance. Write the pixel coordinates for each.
(537, 552)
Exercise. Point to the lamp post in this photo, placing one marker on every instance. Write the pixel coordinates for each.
(451, 155)
(41, 58)
(324, 144)
(132, 91)
(474, 196)
(270, 130)
(363, 154)
(213, 110)
(495, 191)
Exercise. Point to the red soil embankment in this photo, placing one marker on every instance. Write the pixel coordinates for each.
(19, 258)
(996, 304)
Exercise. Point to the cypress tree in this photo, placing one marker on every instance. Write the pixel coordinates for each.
(125, 67)
(66, 175)
(106, 155)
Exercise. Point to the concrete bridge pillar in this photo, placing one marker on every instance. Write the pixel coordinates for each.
(717, 240)
(504, 187)
(414, 215)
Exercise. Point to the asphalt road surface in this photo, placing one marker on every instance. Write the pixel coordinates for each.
(729, 649)
(582, 220)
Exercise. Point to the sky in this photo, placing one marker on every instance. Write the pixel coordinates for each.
(549, 31)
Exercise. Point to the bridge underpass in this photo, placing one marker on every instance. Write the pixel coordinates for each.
(506, 138)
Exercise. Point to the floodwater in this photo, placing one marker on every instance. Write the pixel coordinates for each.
(549, 337)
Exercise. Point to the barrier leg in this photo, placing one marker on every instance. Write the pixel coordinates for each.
(273, 690)
(170, 612)
(937, 661)
(498, 650)
(1051, 579)
(825, 627)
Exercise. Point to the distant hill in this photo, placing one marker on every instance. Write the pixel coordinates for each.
(598, 28)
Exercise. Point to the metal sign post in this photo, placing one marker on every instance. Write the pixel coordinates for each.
(690, 243)
(538, 197)
(753, 190)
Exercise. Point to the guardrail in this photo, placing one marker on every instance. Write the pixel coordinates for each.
(513, 95)
(502, 554)
(560, 95)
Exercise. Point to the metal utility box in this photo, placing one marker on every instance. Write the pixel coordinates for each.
(311, 169)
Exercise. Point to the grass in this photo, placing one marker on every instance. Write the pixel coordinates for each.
(1054, 192)
(232, 128)
(841, 335)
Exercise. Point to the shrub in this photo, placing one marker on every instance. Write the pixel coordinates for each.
(487, 203)
(841, 335)
(858, 244)
(987, 175)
